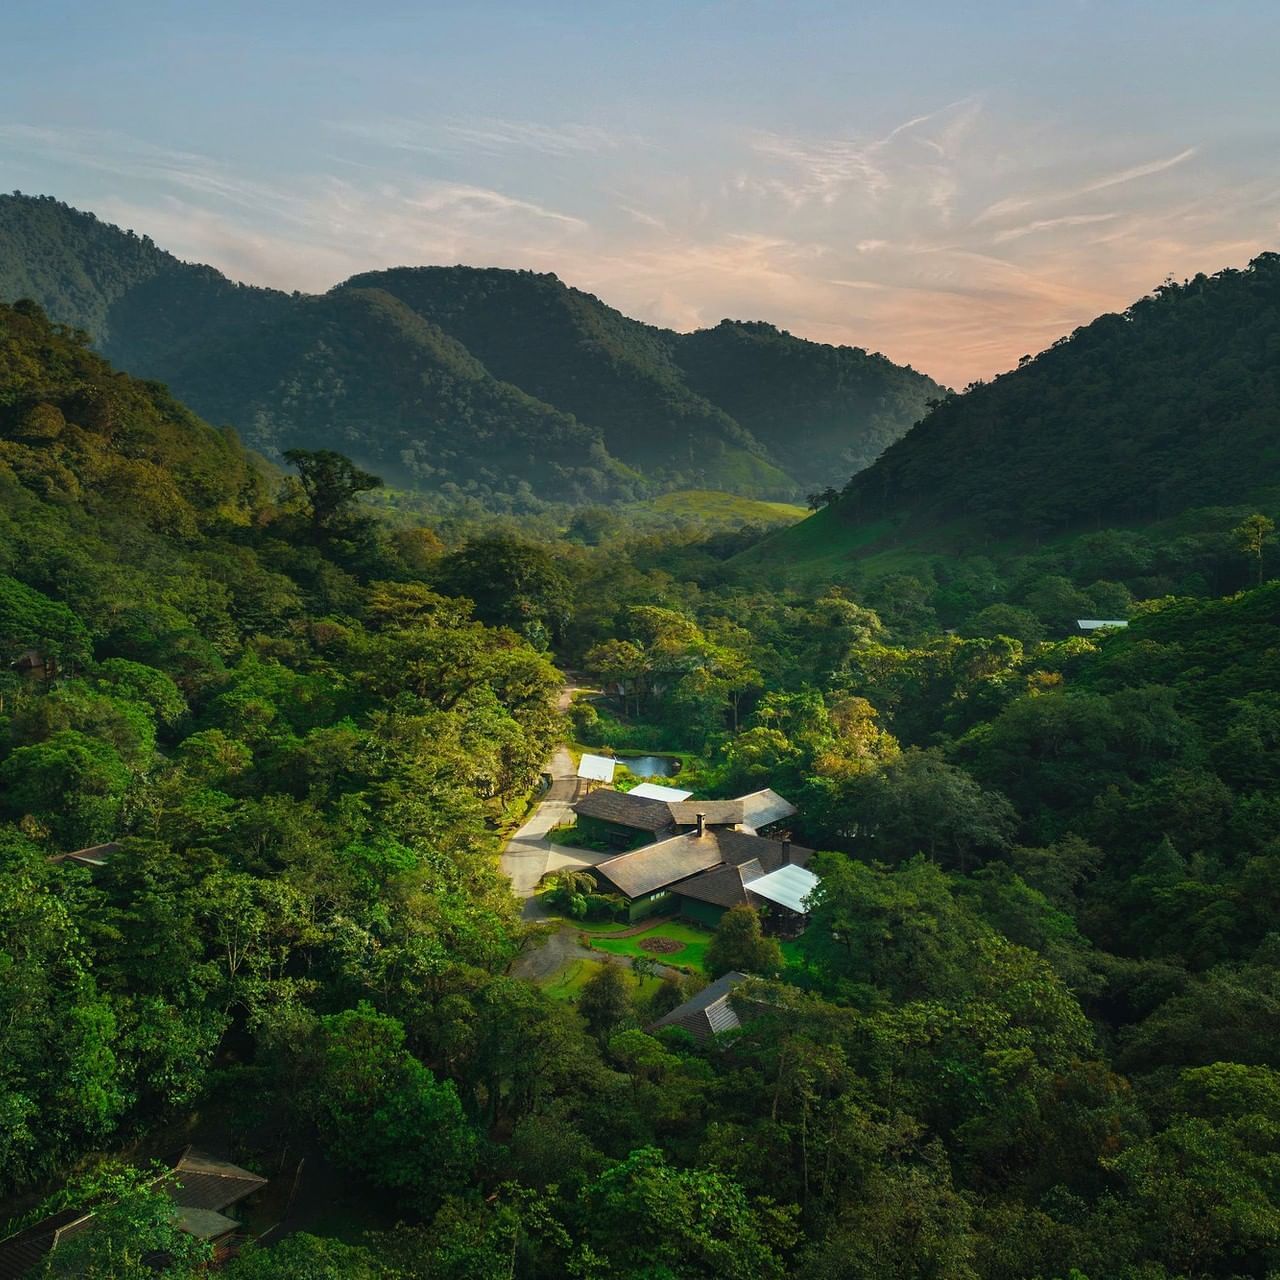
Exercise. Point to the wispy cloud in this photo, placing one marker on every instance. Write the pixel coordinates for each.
(1020, 204)
(484, 135)
(1041, 225)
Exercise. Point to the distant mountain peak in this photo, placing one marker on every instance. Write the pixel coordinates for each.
(479, 380)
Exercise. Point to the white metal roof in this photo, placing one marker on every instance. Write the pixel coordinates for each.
(1096, 624)
(597, 768)
(789, 886)
(655, 791)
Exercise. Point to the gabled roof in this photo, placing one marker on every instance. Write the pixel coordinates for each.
(788, 886)
(199, 1181)
(199, 1186)
(709, 1013)
(716, 813)
(658, 865)
(674, 860)
(656, 791)
(27, 1249)
(597, 768)
(626, 809)
(723, 886)
(762, 808)
(96, 855)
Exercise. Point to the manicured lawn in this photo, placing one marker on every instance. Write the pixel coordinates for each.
(568, 983)
(693, 945)
(694, 941)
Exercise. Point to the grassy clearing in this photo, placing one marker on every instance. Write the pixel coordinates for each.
(568, 983)
(694, 940)
(693, 945)
(718, 507)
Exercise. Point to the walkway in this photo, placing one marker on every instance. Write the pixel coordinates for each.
(529, 855)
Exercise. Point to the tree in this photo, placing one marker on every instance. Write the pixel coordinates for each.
(918, 803)
(569, 891)
(72, 783)
(332, 483)
(133, 1223)
(1251, 536)
(605, 1001)
(306, 1257)
(740, 944)
(382, 1114)
(513, 583)
(650, 1220)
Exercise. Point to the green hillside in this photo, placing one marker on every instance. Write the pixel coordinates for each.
(1172, 404)
(799, 398)
(563, 398)
(1171, 407)
(726, 508)
(358, 372)
(570, 349)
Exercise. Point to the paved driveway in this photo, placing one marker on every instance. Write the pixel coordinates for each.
(529, 855)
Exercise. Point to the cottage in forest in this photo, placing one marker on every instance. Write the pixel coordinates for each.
(200, 1187)
(708, 1014)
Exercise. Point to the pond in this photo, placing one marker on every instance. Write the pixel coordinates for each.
(651, 766)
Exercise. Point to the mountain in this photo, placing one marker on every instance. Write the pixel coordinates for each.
(1134, 418)
(798, 398)
(1173, 403)
(462, 379)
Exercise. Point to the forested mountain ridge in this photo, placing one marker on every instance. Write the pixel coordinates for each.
(1137, 416)
(797, 398)
(658, 410)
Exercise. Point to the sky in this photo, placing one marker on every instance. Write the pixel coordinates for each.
(953, 184)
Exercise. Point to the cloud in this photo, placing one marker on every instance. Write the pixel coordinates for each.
(478, 202)
(823, 169)
(1052, 224)
(1020, 204)
(485, 135)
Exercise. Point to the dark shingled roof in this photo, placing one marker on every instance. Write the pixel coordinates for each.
(669, 862)
(197, 1182)
(27, 1249)
(717, 813)
(746, 858)
(724, 886)
(658, 865)
(709, 1013)
(625, 810)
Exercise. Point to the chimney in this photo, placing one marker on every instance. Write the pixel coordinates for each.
(786, 848)
(702, 825)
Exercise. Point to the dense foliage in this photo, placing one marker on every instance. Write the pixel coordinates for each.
(1032, 1031)
(499, 384)
(1135, 416)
